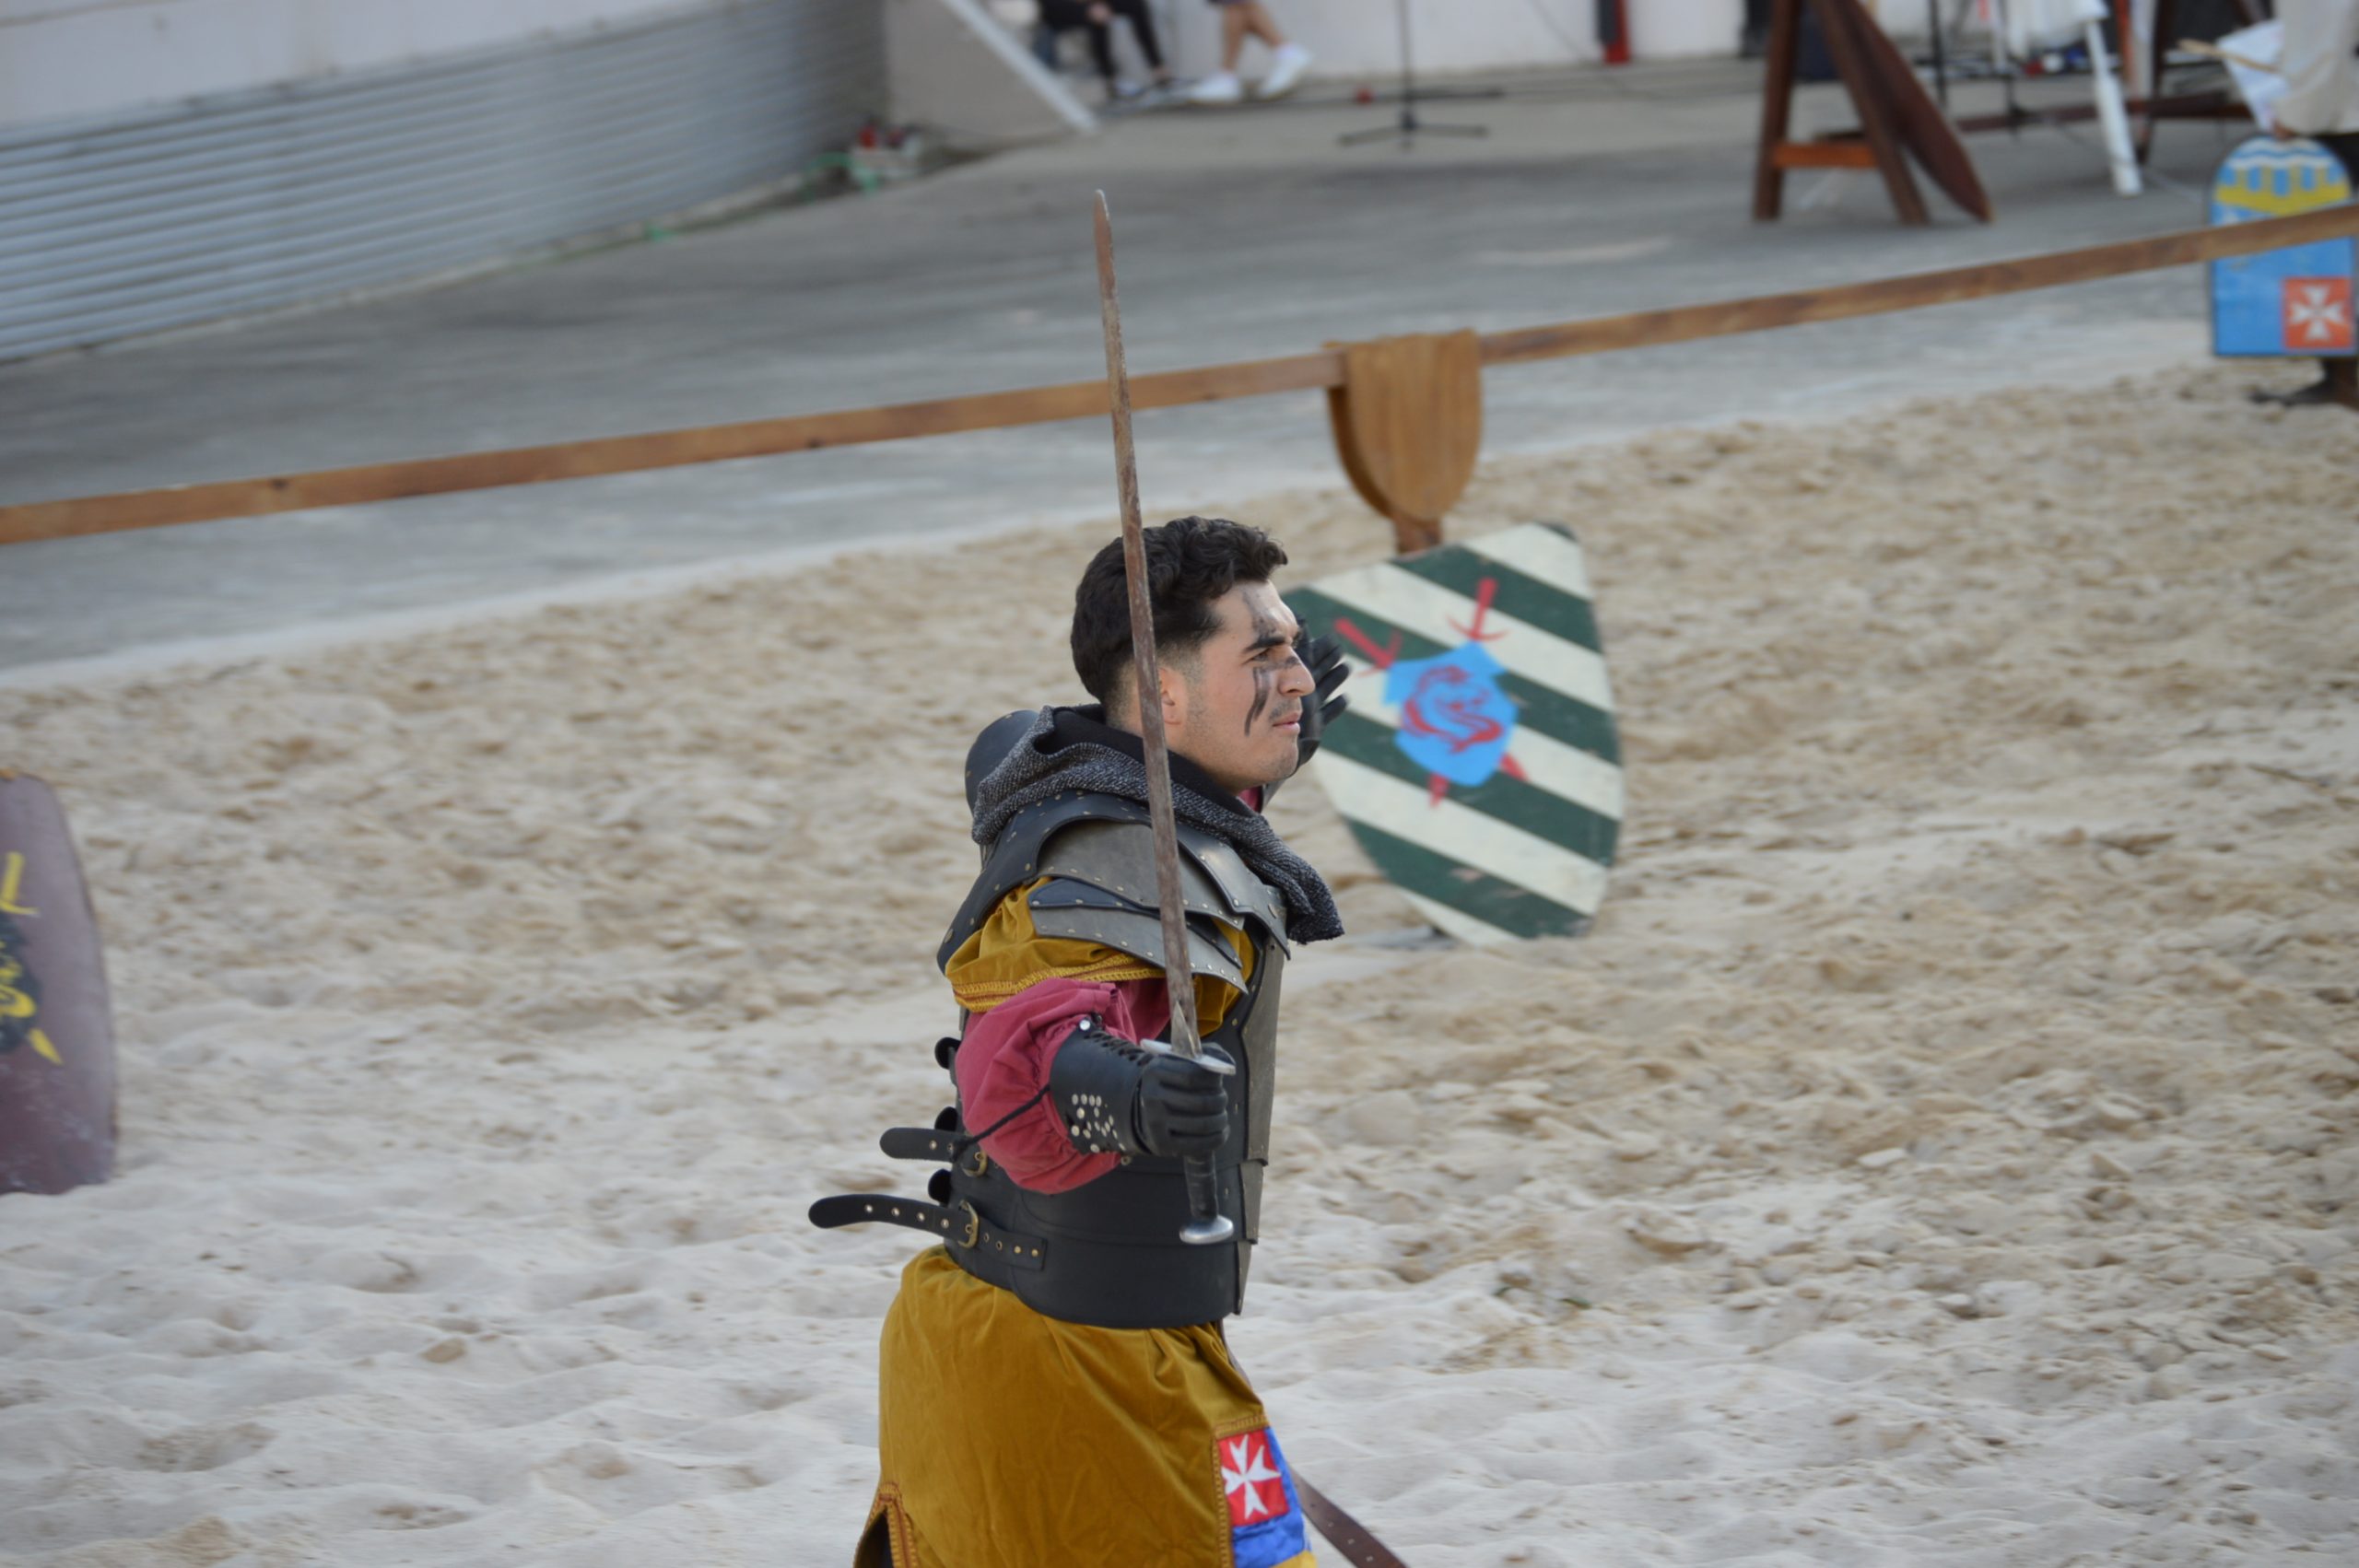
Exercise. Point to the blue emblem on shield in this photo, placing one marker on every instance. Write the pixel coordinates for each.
(1455, 722)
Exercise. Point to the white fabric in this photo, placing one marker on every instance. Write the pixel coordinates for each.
(2320, 68)
(2035, 25)
(2251, 55)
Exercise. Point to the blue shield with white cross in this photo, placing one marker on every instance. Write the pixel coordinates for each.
(2296, 300)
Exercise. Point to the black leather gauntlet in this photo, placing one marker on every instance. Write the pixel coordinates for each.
(1326, 703)
(1116, 1096)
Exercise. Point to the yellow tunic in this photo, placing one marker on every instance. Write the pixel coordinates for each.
(1008, 1439)
(1005, 956)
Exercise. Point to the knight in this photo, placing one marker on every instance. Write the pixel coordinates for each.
(1055, 1387)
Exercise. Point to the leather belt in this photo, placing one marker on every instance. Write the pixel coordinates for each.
(970, 1236)
(922, 1144)
(1119, 1262)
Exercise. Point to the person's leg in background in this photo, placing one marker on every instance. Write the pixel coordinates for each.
(1064, 15)
(1239, 20)
(1142, 22)
(2342, 381)
(1101, 47)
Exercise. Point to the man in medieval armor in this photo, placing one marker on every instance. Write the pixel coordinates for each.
(1056, 1388)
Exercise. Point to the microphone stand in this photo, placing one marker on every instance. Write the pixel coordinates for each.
(1407, 126)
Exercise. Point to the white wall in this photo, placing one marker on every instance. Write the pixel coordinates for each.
(1668, 29)
(1361, 38)
(67, 58)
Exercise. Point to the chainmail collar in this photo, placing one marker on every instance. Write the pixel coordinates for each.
(1074, 748)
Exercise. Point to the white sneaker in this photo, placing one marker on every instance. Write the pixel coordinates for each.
(1285, 72)
(1221, 87)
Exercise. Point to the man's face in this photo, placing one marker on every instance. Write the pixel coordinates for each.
(1234, 709)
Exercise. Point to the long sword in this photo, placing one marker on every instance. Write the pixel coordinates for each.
(1209, 1226)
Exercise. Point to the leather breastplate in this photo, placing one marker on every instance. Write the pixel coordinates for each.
(1108, 1252)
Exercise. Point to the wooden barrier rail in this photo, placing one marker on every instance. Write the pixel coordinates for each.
(664, 448)
(1341, 372)
(1911, 291)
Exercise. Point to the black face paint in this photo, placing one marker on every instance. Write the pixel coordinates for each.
(1266, 680)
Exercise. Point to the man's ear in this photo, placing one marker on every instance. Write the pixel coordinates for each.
(1175, 695)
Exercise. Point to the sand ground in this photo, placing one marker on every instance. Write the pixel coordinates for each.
(1941, 1152)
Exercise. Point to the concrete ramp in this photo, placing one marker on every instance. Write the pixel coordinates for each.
(954, 69)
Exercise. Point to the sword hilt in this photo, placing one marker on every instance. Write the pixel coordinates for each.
(1210, 1227)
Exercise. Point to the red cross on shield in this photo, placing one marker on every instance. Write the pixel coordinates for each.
(2318, 315)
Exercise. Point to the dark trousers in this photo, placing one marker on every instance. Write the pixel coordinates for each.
(1066, 15)
(2344, 144)
(2342, 374)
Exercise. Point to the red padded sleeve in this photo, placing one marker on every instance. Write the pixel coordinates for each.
(1005, 1060)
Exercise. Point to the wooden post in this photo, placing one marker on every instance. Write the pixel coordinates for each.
(1873, 105)
(1408, 424)
(1776, 110)
(1896, 118)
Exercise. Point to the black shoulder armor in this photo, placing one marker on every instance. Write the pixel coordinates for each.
(1099, 853)
(992, 747)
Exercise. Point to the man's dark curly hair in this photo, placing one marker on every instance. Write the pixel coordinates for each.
(1190, 561)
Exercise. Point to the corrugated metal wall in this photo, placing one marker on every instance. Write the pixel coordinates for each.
(169, 216)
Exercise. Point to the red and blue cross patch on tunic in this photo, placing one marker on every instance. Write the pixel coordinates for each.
(1264, 1516)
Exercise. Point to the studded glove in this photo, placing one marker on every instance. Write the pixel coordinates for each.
(1118, 1097)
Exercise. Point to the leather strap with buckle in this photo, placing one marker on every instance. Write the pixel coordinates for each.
(958, 1224)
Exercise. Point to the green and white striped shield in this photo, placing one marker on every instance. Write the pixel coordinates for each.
(1478, 764)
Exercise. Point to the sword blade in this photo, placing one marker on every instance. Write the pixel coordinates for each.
(1345, 1534)
(1178, 974)
(1208, 1225)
